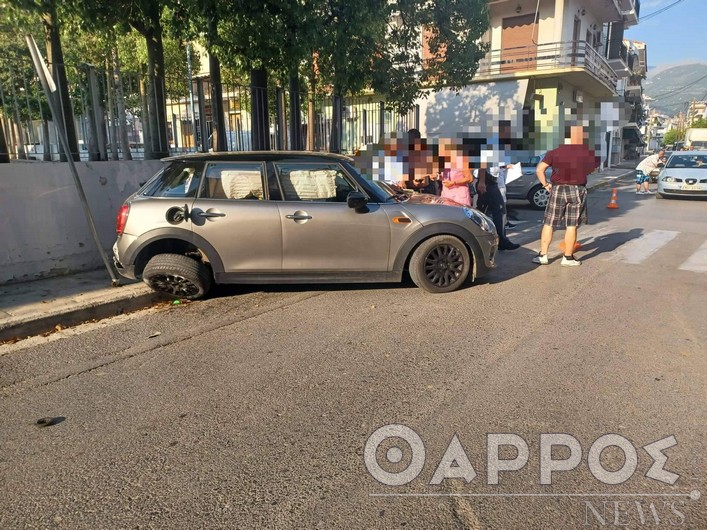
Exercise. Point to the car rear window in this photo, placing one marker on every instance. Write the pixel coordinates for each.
(177, 180)
(233, 180)
(688, 161)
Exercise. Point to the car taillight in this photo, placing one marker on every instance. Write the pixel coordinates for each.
(122, 218)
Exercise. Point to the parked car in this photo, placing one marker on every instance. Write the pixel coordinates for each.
(684, 175)
(527, 187)
(286, 217)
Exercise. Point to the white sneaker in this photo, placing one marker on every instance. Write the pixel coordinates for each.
(571, 262)
(649, 192)
(541, 260)
(638, 192)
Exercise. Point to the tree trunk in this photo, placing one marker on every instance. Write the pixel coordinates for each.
(94, 136)
(218, 119)
(295, 113)
(311, 114)
(156, 99)
(112, 129)
(46, 142)
(336, 124)
(18, 136)
(4, 152)
(217, 114)
(55, 57)
(260, 121)
(120, 100)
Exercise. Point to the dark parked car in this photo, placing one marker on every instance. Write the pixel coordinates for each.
(527, 187)
(292, 217)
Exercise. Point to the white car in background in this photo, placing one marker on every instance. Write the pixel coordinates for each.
(684, 175)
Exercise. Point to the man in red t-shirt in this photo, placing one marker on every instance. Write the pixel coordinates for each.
(570, 163)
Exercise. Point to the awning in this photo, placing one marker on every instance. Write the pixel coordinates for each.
(633, 135)
(475, 108)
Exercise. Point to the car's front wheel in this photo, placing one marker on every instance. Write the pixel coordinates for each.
(177, 275)
(440, 264)
(538, 197)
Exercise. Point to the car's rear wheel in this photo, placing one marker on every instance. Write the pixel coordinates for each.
(440, 264)
(178, 276)
(538, 198)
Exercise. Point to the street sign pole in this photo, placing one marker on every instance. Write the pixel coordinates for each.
(49, 88)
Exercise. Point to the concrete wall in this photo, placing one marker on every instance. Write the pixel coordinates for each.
(43, 230)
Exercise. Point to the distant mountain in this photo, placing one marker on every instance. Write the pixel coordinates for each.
(672, 89)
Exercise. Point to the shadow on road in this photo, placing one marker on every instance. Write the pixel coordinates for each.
(608, 243)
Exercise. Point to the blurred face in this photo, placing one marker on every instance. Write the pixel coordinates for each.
(578, 135)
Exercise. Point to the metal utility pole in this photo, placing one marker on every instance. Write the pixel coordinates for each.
(49, 87)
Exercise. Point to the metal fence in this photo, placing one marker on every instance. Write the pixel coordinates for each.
(109, 115)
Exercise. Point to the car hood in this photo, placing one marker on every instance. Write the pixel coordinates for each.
(685, 172)
(423, 198)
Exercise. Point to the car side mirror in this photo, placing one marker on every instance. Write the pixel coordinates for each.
(356, 200)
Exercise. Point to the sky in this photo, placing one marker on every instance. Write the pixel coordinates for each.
(676, 36)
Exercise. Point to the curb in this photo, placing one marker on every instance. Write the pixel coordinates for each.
(138, 297)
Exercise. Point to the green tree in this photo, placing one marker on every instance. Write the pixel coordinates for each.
(51, 12)
(699, 123)
(453, 30)
(673, 135)
(145, 16)
(199, 20)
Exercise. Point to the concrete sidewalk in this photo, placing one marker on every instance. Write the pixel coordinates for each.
(40, 306)
(31, 308)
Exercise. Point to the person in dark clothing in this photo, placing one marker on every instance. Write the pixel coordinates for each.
(491, 201)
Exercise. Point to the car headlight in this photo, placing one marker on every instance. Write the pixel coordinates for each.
(479, 219)
(668, 179)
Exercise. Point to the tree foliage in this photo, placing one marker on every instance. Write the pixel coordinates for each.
(342, 47)
(673, 135)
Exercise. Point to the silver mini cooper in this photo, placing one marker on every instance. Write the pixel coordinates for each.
(292, 217)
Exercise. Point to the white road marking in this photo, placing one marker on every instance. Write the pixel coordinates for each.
(697, 262)
(639, 250)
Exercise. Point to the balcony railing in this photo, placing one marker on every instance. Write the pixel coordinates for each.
(546, 57)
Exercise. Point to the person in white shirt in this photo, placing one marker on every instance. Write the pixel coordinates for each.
(644, 169)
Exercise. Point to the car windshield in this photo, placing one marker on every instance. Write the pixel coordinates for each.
(688, 161)
(380, 193)
(389, 190)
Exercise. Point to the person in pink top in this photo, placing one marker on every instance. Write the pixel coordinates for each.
(456, 176)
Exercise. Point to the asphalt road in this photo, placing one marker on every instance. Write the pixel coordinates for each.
(252, 409)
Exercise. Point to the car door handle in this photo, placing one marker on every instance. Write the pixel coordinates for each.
(299, 217)
(211, 214)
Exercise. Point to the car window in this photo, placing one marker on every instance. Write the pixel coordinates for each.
(233, 181)
(177, 180)
(313, 182)
(688, 161)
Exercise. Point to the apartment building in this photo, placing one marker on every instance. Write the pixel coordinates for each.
(696, 110)
(632, 112)
(551, 63)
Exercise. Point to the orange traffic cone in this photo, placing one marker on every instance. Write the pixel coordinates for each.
(613, 204)
(577, 246)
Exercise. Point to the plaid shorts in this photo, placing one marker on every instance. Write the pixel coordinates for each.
(641, 177)
(567, 206)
